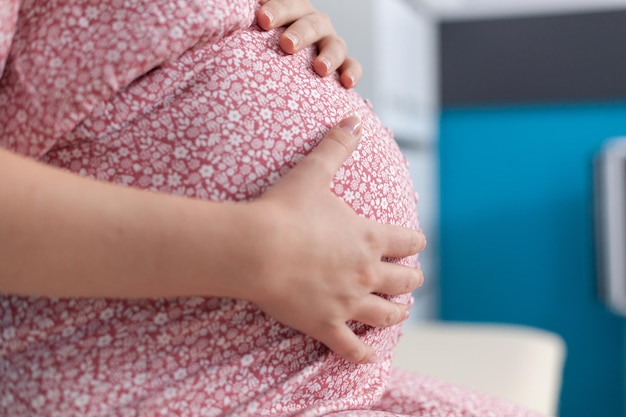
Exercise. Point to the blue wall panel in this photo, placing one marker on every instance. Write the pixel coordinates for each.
(517, 235)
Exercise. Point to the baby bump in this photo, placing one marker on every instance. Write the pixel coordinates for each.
(224, 122)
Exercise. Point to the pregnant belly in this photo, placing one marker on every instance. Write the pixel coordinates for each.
(224, 122)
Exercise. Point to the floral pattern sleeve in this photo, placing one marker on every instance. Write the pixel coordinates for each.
(67, 56)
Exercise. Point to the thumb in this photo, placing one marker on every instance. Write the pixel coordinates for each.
(322, 163)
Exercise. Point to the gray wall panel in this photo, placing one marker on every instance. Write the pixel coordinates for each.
(577, 57)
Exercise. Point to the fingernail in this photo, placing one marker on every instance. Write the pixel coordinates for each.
(407, 314)
(270, 17)
(352, 124)
(372, 359)
(327, 63)
(351, 79)
(295, 41)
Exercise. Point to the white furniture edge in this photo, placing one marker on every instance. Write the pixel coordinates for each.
(517, 363)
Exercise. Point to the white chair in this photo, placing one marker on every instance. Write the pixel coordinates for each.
(521, 364)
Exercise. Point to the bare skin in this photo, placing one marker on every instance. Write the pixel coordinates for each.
(64, 235)
(307, 26)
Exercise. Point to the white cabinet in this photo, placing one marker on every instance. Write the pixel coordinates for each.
(396, 42)
(397, 45)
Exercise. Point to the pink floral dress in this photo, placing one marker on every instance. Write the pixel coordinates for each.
(189, 97)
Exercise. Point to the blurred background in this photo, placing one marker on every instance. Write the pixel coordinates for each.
(502, 108)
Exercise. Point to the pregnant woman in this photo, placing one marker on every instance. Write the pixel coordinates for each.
(192, 99)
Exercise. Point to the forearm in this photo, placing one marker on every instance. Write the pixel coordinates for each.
(64, 235)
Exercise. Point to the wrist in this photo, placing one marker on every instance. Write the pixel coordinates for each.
(231, 249)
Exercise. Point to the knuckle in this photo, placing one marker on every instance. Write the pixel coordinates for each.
(317, 162)
(372, 239)
(276, 7)
(341, 43)
(343, 139)
(367, 277)
(331, 327)
(409, 284)
(390, 319)
(321, 25)
(324, 18)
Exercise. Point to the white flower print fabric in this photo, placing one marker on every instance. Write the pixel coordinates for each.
(189, 98)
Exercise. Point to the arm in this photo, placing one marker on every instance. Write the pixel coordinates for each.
(308, 27)
(69, 236)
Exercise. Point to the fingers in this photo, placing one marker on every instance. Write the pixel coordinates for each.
(332, 53)
(351, 72)
(276, 13)
(396, 279)
(342, 340)
(400, 242)
(310, 27)
(308, 30)
(378, 312)
(338, 144)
